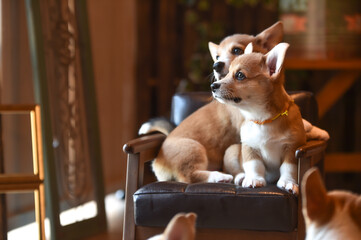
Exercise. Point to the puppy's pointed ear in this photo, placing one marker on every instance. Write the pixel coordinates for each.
(275, 59)
(314, 194)
(271, 36)
(249, 48)
(181, 227)
(192, 217)
(213, 50)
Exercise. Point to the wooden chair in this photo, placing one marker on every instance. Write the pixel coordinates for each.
(225, 211)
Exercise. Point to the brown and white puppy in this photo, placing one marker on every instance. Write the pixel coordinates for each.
(181, 227)
(194, 151)
(223, 54)
(272, 129)
(234, 45)
(329, 215)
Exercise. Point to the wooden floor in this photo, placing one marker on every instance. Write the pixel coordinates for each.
(115, 213)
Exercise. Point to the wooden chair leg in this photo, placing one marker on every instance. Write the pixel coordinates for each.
(131, 186)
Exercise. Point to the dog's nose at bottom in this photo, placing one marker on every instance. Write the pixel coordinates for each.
(215, 86)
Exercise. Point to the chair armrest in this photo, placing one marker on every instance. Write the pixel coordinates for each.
(309, 155)
(311, 148)
(144, 143)
(135, 173)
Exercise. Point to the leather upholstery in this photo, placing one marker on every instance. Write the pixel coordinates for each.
(220, 205)
(184, 104)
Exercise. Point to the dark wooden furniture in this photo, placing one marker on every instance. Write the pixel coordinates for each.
(225, 211)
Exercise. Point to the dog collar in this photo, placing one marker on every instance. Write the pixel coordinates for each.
(283, 113)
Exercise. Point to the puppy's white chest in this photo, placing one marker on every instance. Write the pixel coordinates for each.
(264, 139)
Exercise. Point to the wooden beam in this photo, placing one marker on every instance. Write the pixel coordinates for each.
(343, 162)
(334, 89)
(322, 64)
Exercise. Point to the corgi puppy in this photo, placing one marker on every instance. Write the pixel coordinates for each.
(234, 45)
(194, 151)
(181, 227)
(272, 129)
(222, 55)
(329, 215)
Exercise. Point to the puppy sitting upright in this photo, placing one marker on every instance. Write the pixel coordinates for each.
(273, 128)
(194, 151)
(234, 45)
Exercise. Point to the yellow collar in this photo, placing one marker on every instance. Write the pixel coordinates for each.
(283, 113)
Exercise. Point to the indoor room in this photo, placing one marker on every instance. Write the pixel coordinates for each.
(180, 119)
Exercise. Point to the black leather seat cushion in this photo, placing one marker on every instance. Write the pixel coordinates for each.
(218, 205)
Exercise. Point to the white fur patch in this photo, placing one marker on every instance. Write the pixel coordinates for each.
(340, 227)
(145, 128)
(239, 178)
(288, 179)
(249, 48)
(156, 125)
(269, 143)
(254, 174)
(226, 57)
(157, 237)
(215, 177)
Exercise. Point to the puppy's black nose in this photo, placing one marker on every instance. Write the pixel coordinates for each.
(218, 66)
(215, 86)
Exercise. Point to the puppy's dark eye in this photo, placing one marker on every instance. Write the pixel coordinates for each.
(236, 51)
(217, 57)
(239, 76)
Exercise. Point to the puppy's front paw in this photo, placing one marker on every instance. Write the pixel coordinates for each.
(239, 178)
(215, 177)
(288, 186)
(253, 182)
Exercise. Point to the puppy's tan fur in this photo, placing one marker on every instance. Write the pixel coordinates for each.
(225, 51)
(181, 227)
(234, 45)
(194, 151)
(329, 215)
(267, 148)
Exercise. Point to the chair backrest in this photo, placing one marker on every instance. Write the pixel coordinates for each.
(184, 104)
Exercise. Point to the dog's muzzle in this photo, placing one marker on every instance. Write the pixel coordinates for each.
(215, 86)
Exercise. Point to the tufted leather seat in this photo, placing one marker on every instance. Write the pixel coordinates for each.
(218, 205)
